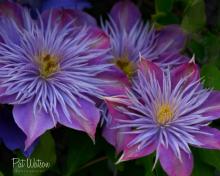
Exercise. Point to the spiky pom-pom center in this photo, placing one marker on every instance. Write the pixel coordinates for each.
(164, 114)
(125, 65)
(48, 65)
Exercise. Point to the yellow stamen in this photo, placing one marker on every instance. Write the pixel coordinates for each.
(125, 65)
(164, 114)
(48, 64)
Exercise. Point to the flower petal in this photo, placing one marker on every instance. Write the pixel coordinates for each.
(11, 10)
(68, 4)
(188, 71)
(171, 39)
(172, 165)
(11, 135)
(134, 152)
(125, 14)
(211, 107)
(118, 84)
(6, 99)
(65, 16)
(211, 141)
(32, 125)
(88, 123)
(101, 38)
(147, 67)
(171, 59)
(114, 136)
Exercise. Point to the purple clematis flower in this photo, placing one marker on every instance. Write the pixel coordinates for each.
(164, 112)
(53, 69)
(130, 36)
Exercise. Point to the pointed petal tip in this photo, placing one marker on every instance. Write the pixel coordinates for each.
(125, 14)
(92, 137)
(140, 57)
(28, 143)
(112, 98)
(192, 60)
(120, 160)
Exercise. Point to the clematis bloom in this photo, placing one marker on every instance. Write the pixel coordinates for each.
(129, 36)
(166, 112)
(52, 70)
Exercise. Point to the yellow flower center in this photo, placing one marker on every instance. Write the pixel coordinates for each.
(48, 65)
(164, 114)
(125, 65)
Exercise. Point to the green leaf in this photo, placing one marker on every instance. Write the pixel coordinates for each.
(44, 153)
(1, 174)
(212, 49)
(211, 157)
(197, 49)
(211, 76)
(147, 163)
(201, 168)
(194, 17)
(165, 18)
(80, 153)
(163, 5)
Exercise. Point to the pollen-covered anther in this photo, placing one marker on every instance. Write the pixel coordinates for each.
(125, 65)
(164, 114)
(48, 65)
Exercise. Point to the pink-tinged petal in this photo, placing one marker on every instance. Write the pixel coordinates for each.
(147, 67)
(87, 123)
(170, 39)
(101, 39)
(125, 14)
(114, 101)
(32, 125)
(109, 134)
(211, 107)
(171, 59)
(115, 136)
(209, 141)
(134, 152)
(71, 123)
(172, 165)
(112, 135)
(188, 71)
(119, 82)
(65, 16)
(11, 10)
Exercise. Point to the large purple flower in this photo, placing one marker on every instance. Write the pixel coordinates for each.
(130, 36)
(164, 112)
(52, 70)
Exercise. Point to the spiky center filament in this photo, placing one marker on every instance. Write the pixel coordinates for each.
(164, 114)
(48, 65)
(125, 65)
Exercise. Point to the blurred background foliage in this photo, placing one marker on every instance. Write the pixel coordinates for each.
(73, 153)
